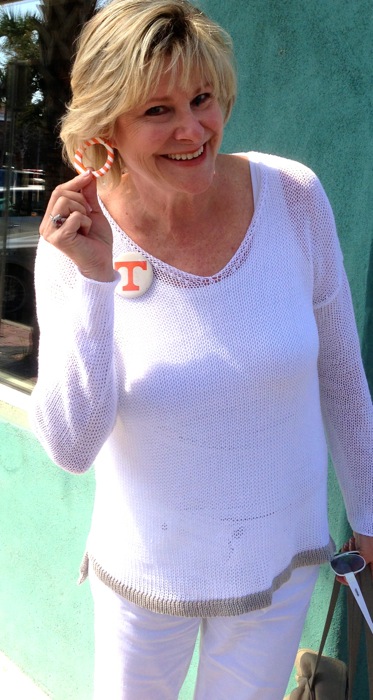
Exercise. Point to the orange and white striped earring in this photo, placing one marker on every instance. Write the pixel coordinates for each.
(78, 157)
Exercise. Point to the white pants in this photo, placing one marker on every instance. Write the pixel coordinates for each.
(141, 655)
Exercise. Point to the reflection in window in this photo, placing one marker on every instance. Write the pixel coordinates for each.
(22, 190)
(36, 49)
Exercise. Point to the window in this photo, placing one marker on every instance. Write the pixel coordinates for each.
(36, 49)
(22, 189)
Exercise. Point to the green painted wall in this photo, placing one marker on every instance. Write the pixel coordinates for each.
(305, 92)
(45, 618)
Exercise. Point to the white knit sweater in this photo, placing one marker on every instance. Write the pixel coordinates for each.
(203, 404)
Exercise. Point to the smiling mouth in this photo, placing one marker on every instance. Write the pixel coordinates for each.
(186, 156)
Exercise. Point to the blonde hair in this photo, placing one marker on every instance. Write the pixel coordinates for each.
(121, 55)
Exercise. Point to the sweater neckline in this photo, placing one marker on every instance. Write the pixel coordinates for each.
(180, 278)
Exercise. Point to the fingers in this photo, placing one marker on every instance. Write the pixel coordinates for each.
(364, 544)
(74, 189)
(64, 206)
(64, 235)
(66, 199)
(75, 224)
(90, 194)
(349, 546)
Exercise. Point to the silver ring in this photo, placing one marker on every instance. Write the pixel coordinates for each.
(57, 220)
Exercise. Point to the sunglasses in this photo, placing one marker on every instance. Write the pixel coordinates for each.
(348, 564)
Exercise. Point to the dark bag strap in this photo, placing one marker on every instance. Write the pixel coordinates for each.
(355, 622)
(329, 617)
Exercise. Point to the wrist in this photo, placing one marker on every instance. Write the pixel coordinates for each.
(99, 275)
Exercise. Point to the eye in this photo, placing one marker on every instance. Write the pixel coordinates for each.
(155, 111)
(201, 99)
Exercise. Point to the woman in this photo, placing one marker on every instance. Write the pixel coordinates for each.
(197, 338)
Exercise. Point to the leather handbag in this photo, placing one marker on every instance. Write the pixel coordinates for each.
(322, 677)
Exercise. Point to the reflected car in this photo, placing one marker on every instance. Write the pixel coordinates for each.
(21, 205)
(21, 242)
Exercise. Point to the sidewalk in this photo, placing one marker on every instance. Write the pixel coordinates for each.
(14, 685)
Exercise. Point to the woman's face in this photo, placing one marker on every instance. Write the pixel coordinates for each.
(170, 142)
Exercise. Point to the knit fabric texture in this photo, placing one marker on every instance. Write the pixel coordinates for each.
(205, 405)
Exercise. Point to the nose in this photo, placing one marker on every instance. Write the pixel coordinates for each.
(188, 126)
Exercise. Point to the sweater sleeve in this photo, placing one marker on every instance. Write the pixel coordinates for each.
(347, 407)
(345, 398)
(74, 403)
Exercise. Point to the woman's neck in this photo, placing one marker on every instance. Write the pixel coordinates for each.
(148, 212)
(197, 234)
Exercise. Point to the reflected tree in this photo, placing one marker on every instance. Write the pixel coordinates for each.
(43, 43)
(46, 42)
(19, 46)
(58, 28)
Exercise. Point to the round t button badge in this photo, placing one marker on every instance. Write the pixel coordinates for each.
(136, 274)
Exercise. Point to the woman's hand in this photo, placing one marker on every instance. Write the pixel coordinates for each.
(85, 236)
(362, 544)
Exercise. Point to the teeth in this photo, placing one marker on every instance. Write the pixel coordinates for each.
(186, 156)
